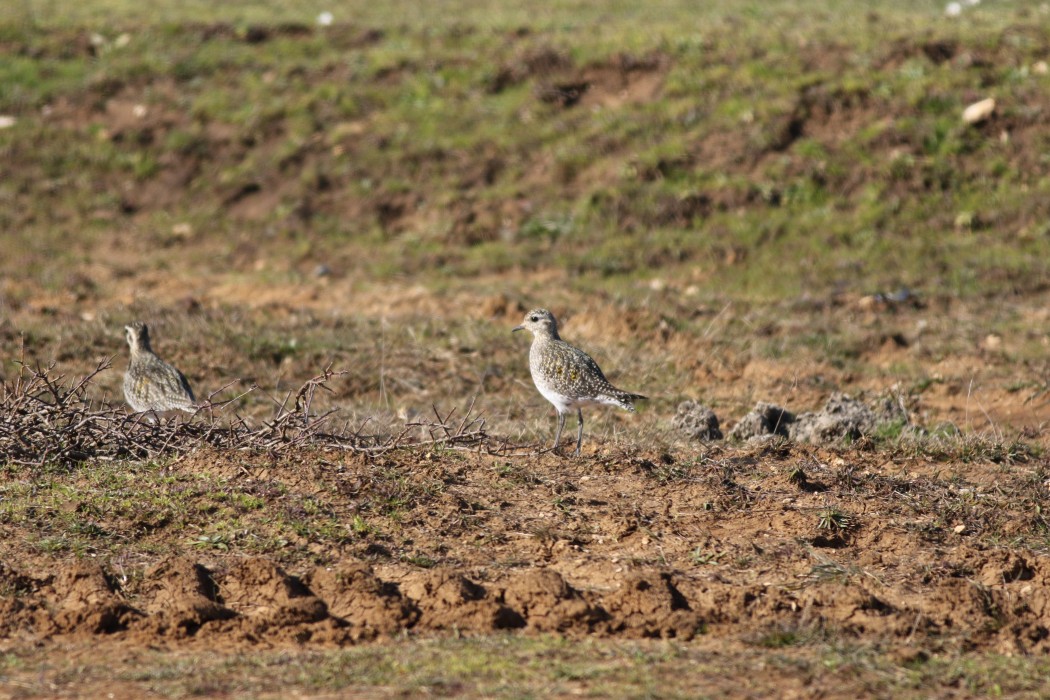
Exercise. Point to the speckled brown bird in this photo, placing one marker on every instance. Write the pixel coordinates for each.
(567, 376)
(151, 384)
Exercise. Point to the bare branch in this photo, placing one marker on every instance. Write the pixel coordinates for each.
(46, 420)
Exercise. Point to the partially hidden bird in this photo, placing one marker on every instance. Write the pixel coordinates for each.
(150, 383)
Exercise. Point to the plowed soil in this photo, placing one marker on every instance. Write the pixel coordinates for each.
(724, 543)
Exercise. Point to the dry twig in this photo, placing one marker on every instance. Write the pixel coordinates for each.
(46, 420)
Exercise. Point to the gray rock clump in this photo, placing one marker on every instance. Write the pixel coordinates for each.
(694, 421)
(846, 418)
(842, 418)
(764, 419)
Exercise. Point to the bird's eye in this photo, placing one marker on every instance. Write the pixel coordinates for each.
(534, 318)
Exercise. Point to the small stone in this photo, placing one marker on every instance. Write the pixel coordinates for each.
(979, 111)
(993, 342)
(953, 9)
(959, 529)
(901, 296)
(325, 19)
(868, 302)
(1040, 68)
(7, 121)
(139, 111)
(965, 220)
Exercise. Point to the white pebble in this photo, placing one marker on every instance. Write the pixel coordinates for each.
(979, 111)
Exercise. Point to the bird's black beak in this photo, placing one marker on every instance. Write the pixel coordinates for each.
(515, 329)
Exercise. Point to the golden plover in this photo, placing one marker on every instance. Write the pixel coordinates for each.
(567, 376)
(151, 384)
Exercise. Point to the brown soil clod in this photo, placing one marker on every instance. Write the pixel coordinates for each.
(549, 604)
(84, 599)
(260, 588)
(355, 596)
(183, 596)
(450, 601)
(650, 605)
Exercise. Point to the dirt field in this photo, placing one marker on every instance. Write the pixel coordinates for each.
(917, 556)
(387, 198)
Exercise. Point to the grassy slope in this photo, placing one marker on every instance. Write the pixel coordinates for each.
(835, 156)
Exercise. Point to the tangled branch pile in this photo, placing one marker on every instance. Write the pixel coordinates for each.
(46, 420)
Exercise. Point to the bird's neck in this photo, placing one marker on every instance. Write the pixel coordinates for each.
(544, 337)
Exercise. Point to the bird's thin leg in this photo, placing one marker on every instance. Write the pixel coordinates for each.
(557, 433)
(579, 434)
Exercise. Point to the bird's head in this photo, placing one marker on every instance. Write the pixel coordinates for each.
(540, 322)
(137, 334)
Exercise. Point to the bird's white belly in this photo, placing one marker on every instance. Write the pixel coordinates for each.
(563, 403)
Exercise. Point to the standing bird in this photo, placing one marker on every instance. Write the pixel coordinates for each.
(567, 376)
(151, 384)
